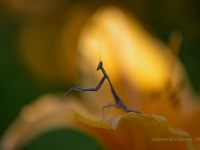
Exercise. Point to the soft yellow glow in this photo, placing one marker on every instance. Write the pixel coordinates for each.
(127, 49)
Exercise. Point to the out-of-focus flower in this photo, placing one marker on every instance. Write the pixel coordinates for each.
(147, 76)
(32, 8)
(48, 46)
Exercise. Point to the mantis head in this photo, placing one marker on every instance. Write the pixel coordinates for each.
(99, 65)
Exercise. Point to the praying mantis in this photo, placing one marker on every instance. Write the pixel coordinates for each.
(118, 102)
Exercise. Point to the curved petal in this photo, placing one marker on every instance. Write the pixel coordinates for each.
(135, 131)
(44, 114)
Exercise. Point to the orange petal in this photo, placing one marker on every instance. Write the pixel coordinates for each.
(191, 125)
(135, 131)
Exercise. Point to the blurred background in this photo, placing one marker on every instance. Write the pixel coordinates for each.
(37, 56)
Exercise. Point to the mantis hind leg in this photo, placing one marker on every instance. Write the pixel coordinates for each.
(127, 109)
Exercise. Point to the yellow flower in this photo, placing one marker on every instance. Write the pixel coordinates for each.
(145, 73)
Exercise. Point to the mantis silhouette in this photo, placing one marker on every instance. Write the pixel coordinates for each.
(118, 102)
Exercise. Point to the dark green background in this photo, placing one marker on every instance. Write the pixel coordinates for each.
(18, 87)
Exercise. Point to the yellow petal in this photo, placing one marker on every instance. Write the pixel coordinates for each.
(139, 65)
(94, 123)
(126, 48)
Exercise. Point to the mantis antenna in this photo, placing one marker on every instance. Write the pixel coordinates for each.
(118, 102)
(100, 50)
